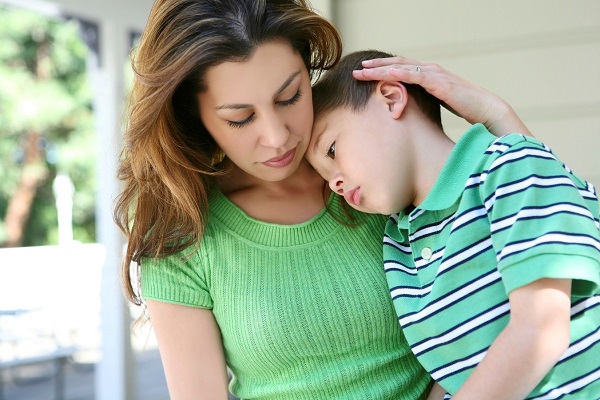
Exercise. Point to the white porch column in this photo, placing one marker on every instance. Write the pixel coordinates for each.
(63, 189)
(115, 374)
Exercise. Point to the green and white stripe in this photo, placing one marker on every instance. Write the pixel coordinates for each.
(502, 214)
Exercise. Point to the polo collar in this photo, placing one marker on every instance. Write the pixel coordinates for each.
(461, 164)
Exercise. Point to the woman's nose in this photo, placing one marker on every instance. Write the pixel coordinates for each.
(274, 133)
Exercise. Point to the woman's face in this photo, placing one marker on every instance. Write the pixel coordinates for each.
(260, 111)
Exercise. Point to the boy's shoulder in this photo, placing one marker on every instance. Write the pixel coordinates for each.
(522, 156)
(519, 151)
(515, 141)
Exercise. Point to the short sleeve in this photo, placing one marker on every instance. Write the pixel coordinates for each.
(176, 279)
(582, 270)
(543, 218)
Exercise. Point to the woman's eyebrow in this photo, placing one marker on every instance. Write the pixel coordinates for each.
(287, 83)
(233, 106)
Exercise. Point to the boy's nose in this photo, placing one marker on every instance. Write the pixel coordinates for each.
(336, 184)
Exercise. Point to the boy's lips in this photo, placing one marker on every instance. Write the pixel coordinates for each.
(282, 160)
(353, 196)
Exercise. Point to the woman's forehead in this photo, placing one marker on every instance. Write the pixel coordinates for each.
(269, 67)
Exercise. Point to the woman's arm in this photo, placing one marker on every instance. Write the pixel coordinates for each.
(535, 338)
(461, 97)
(191, 349)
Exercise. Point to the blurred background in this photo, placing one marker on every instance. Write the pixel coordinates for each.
(65, 331)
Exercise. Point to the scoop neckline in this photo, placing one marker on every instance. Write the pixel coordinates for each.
(227, 215)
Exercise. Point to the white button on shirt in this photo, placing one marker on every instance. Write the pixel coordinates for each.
(426, 253)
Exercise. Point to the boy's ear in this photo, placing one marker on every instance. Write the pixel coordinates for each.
(394, 95)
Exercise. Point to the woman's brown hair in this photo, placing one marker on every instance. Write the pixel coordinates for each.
(167, 162)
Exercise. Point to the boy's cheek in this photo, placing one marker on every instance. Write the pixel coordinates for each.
(316, 165)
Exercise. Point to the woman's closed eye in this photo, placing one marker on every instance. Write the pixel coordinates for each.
(292, 100)
(331, 151)
(241, 124)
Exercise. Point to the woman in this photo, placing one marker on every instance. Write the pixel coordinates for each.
(237, 241)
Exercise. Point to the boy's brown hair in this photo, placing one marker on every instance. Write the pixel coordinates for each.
(337, 88)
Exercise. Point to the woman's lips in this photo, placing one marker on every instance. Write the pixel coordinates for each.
(281, 161)
(353, 196)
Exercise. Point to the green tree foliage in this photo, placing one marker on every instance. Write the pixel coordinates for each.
(46, 127)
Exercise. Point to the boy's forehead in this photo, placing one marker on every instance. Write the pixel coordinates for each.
(326, 122)
(319, 127)
(331, 118)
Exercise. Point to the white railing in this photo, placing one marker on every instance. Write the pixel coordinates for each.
(52, 289)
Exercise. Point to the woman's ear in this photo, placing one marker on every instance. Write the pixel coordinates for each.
(394, 95)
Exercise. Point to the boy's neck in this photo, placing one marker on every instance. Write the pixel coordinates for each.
(432, 150)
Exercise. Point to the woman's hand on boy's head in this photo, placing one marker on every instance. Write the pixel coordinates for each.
(388, 69)
(449, 88)
(461, 97)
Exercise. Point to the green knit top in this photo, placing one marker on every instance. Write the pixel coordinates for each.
(304, 309)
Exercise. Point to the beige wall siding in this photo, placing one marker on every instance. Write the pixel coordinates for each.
(543, 56)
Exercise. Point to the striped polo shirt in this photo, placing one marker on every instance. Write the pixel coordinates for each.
(503, 213)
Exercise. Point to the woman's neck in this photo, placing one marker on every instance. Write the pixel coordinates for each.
(293, 200)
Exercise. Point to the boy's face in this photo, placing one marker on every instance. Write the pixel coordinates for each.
(364, 157)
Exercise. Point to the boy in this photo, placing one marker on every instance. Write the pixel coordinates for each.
(493, 252)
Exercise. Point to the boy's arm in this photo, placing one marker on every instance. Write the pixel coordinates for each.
(437, 392)
(535, 338)
(461, 97)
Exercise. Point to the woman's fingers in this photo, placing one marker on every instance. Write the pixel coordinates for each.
(378, 62)
(458, 95)
(396, 72)
(436, 80)
(392, 68)
(463, 98)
